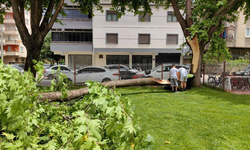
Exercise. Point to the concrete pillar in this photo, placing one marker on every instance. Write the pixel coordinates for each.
(66, 59)
(153, 60)
(130, 60)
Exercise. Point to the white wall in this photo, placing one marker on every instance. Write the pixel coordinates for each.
(128, 27)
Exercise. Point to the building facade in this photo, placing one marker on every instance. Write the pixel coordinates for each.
(14, 50)
(238, 37)
(129, 40)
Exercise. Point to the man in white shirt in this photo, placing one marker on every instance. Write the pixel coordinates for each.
(173, 78)
(183, 78)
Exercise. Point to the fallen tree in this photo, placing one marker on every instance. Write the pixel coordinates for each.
(73, 94)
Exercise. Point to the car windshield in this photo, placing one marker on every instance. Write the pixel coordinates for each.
(156, 68)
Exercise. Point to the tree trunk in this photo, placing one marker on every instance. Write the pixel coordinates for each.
(33, 53)
(73, 94)
(197, 81)
(198, 50)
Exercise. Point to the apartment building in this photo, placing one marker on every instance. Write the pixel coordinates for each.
(14, 50)
(238, 37)
(105, 39)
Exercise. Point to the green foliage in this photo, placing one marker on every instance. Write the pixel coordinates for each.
(240, 63)
(46, 53)
(99, 120)
(217, 51)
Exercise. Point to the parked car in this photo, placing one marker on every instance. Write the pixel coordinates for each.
(93, 73)
(50, 72)
(125, 72)
(17, 67)
(157, 71)
(46, 66)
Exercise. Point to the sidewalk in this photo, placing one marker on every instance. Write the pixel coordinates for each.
(247, 92)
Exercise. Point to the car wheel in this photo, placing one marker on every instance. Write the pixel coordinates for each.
(106, 80)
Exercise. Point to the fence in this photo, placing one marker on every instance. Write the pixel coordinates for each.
(227, 76)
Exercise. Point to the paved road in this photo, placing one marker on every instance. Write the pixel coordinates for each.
(45, 83)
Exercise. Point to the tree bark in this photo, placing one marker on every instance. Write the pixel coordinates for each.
(73, 94)
(33, 53)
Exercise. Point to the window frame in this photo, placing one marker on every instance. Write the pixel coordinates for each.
(248, 32)
(173, 16)
(111, 34)
(140, 16)
(144, 34)
(111, 12)
(172, 43)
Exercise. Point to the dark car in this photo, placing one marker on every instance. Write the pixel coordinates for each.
(125, 72)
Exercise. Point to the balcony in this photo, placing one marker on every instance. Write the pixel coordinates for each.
(12, 31)
(9, 21)
(12, 42)
(11, 53)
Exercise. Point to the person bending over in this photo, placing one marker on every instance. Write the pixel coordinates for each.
(173, 78)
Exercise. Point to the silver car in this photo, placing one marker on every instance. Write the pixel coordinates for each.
(157, 71)
(50, 72)
(93, 73)
(125, 72)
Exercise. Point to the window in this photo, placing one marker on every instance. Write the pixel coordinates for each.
(26, 11)
(85, 36)
(7, 16)
(9, 48)
(55, 68)
(144, 38)
(247, 32)
(112, 38)
(22, 59)
(101, 56)
(145, 19)
(16, 59)
(8, 37)
(172, 38)
(111, 16)
(64, 68)
(74, 13)
(171, 17)
(21, 49)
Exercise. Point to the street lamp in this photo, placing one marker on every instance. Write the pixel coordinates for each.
(2, 42)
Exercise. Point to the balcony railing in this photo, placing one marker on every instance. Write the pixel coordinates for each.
(11, 53)
(80, 42)
(8, 20)
(12, 42)
(11, 31)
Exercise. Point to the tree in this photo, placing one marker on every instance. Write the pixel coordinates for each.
(203, 20)
(200, 20)
(43, 15)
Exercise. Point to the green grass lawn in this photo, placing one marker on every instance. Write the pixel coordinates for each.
(198, 119)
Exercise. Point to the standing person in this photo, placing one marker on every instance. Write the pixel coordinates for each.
(183, 78)
(173, 78)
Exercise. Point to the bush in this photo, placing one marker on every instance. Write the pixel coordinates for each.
(99, 120)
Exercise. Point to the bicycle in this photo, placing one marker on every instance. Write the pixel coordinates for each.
(213, 80)
(240, 84)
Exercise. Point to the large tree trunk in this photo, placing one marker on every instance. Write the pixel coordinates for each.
(33, 53)
(73, 94)
(198, 50)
